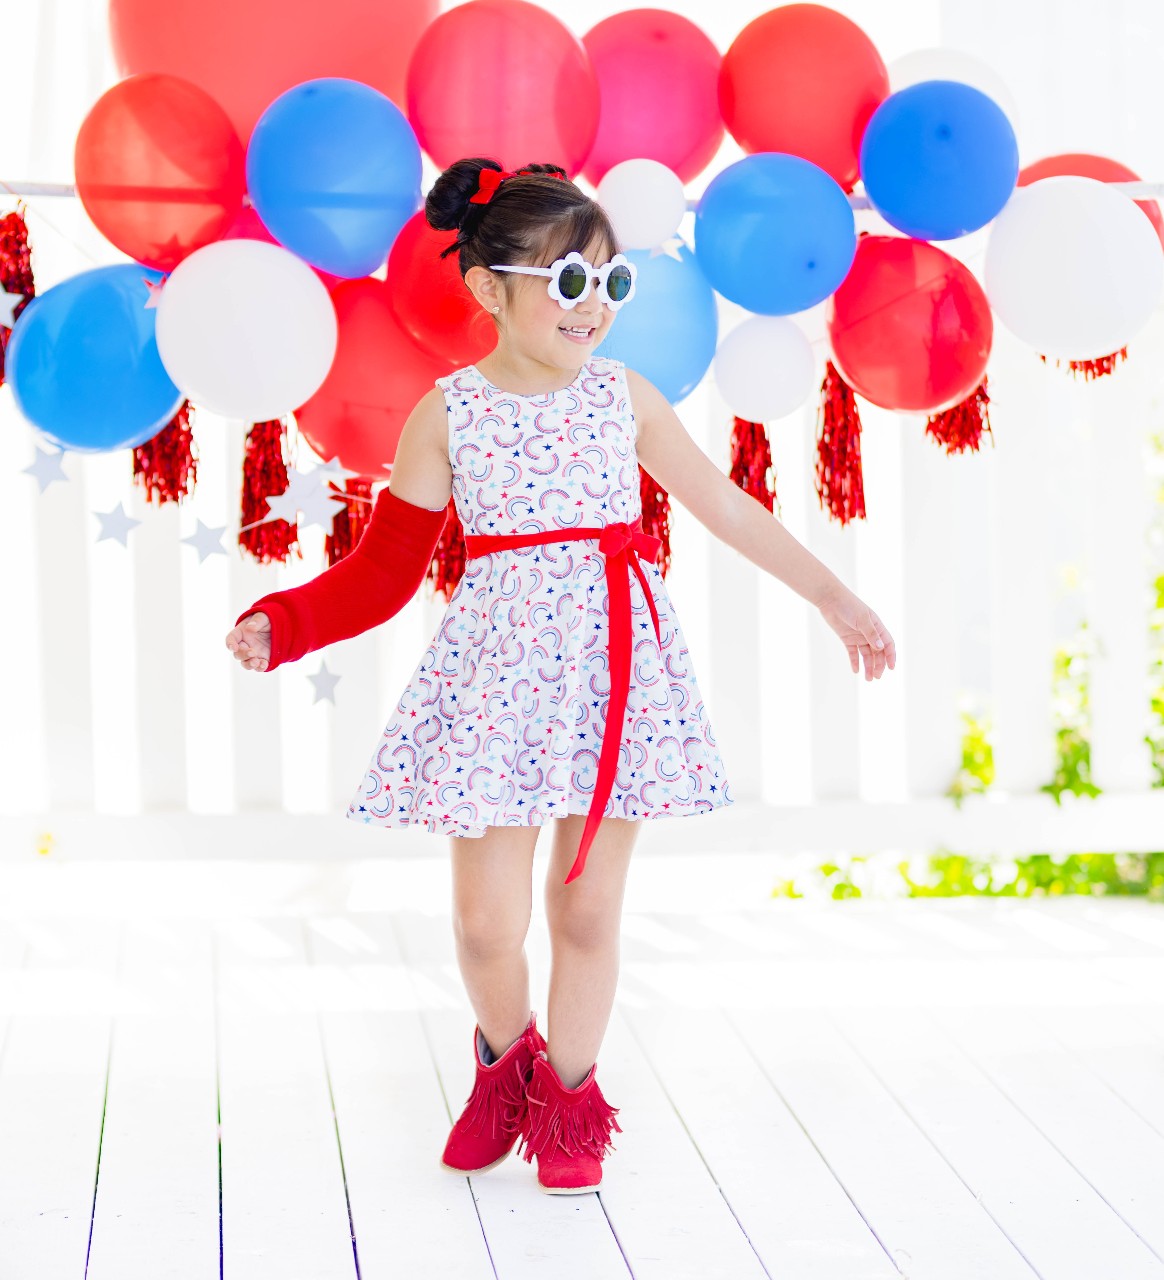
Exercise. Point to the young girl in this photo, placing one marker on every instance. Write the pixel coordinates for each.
(558, 684)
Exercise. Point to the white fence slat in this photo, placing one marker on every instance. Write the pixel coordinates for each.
(831, 732)
(259, 740)
(1021, 561)
(24, 775)
(210, 606)
(1118, 578)
(932, 671)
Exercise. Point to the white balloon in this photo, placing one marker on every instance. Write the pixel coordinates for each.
(645, 201)
(953, 64)
(246, 329)
(1073, 268)
(764, 368)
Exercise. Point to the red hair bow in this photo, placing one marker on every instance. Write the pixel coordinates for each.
(490, 179)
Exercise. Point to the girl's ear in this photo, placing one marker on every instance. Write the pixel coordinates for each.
(484, 286)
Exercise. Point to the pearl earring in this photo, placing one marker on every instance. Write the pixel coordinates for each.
(496, 308)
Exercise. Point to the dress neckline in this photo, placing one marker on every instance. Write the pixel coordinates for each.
(537, 395)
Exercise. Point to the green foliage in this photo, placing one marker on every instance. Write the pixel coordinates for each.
(976, 772)
(1155, 736)
(1070, 683)
(948, 874)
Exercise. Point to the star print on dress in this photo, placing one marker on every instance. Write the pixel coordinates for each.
(502, 721)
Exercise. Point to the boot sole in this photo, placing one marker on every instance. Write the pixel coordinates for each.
(484, 1168)
(568, 1191)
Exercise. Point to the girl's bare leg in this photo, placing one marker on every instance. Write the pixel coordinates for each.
(492, 905)
(584, 919)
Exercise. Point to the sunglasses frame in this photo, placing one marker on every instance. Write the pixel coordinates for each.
(574, 258)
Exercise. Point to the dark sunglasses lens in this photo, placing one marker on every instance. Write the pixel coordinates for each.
(618, 283)
(572, 280)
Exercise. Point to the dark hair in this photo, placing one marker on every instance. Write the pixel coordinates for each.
(531, 218)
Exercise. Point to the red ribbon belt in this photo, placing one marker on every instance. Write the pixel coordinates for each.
(616, 542)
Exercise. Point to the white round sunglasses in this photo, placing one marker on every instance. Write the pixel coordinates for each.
(570, 279)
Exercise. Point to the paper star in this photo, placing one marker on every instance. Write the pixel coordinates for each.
(49, 466)
(155, 292)
(670, 247)
(334, 470)
(304, 493)
(8, 304)
(115, 524)
(207, 541)
(325, 682)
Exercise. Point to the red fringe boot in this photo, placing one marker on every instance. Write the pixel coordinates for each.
(567, 1129)
(488, 1127)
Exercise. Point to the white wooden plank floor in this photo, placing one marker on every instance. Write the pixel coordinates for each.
(250, 1070)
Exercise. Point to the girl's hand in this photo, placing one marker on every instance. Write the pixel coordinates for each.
(861, 630)
(250, 641)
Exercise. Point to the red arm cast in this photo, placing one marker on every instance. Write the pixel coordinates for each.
(371, 584)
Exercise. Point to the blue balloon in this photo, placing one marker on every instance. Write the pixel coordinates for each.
(83, 362)
(333, 170)
(939, 159)
(668, 330)
(775, 233)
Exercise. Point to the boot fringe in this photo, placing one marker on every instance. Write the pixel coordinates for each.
(578, 1127)
(497, 1096)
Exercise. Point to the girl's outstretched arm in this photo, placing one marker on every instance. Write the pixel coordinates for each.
(668, 453)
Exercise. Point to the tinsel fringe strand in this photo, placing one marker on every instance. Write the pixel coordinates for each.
(961, 426)
(265, 476)
(751, 466)
(656, 508)
(350, 521)
(166, 465)
(839, 481)
(1097, 367)
(15, 269)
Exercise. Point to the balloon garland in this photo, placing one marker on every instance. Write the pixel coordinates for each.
(238, 214)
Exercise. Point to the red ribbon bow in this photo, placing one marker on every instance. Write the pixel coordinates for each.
(621, 544)
(490, 179)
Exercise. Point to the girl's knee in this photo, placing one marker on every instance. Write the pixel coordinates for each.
(487, 935)
(585, 922)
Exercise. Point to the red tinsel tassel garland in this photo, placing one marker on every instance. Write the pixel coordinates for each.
(1099, 367)
(839, 481)
(448, 559)
(656, 508)
(15, 269)
(350, 521)
(265, 476)
(751, 467)
(961, 426)
(166, 465)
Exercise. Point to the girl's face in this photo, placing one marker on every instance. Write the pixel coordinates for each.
(543, 330)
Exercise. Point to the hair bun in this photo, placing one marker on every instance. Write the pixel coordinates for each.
(447, 205)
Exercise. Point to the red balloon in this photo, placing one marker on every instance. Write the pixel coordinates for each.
(803, 79)
(377, 377)
(910, 326)
(658, 76)
(430, 298)
(505, 79)
(245, 54)
(1082, 165)
(159, 168)
(249, 226)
